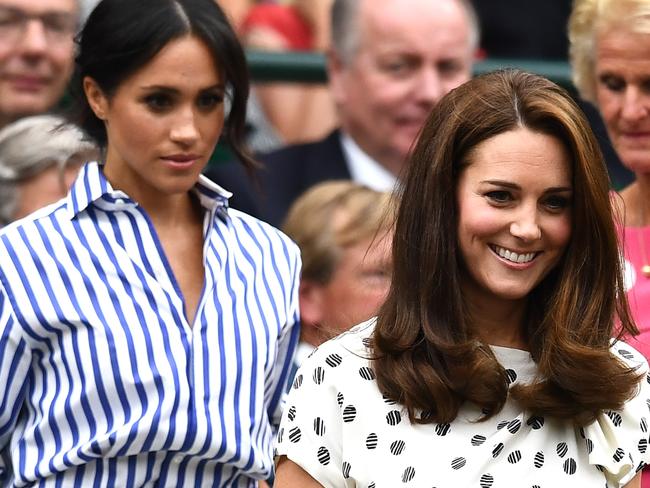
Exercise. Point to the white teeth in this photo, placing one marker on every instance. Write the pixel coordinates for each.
(513, 256)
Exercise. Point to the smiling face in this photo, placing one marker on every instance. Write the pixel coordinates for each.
(623, 94)
(163, 122)
(514, 204)
(410, 54)
(35, 63)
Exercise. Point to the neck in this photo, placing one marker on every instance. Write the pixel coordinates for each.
(636, 199)
(496, 321)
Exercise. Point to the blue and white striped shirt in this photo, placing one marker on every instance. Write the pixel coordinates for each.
(103, 383)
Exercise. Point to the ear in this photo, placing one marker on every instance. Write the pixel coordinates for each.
(311, 303)
(337, 72)
(96, 98)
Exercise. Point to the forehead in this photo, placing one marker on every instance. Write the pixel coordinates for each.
(38, 6)
(617, 49)
(423, 25)
(521, 154)
(183, 60)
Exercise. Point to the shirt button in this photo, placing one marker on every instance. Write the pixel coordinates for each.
(177, 460)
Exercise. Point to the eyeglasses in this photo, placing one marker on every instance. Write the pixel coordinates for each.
(57, 26)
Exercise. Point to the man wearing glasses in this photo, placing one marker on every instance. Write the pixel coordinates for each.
(36, 54)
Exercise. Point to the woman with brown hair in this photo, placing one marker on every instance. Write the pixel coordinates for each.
(492, 363)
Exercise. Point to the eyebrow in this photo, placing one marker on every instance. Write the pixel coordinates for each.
(514, 186)
(168, 89)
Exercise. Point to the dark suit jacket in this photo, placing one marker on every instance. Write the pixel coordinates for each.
(285, 174)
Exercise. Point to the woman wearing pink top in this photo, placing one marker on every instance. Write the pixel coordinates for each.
(610, 56)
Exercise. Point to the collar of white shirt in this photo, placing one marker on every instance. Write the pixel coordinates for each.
(91, 185)
(364, 169)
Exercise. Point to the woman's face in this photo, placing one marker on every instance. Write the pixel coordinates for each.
(623, 94)
(163, 122)
(514, 203)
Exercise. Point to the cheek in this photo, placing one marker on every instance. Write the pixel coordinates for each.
(608, 106)
(559, 233)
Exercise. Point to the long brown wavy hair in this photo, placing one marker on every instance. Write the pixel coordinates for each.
(426, 355)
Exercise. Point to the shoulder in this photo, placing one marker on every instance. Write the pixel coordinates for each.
(629, 356)
(23, 228)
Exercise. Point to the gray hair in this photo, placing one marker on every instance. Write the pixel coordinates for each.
(345, 30)
(31, 145)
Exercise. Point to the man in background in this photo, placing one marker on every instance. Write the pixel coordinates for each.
(36, 55)
(389, 64)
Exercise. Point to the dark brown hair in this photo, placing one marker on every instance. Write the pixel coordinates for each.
(427, 356)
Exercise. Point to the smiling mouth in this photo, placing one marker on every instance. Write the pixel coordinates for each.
(512, 256)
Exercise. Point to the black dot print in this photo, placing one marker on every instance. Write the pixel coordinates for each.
(297, 382)
(349, 413)
(535, 422)
(319, 375)
(570, 466)
(478, 440)
(291, 414)
(590, 445)
(497, 449)
(514, 426)
(616, 418)
(458, 463)
(393, 417)
(294, 435)
(397, 447)
(371, 485)
(345, 469)
(339, 399)
(367, 373)
(388, 401)
(333, 360)
(643, 425)
(512, 376)
(539, 459)
(319, 426)
(280, 435)
(323, 456)
(443, 429)
(502, 424)
(562, 449)
(626, 354)
(514, 457)
(618, 455)
(408, 475)
(643, 446)
(486, 481)
(371, 441)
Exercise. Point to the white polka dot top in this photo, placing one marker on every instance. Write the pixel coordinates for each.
(338, 427)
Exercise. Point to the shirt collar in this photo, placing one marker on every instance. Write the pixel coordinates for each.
(91, 186)
(364, 169)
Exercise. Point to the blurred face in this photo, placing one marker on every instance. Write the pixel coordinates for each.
(410, 54)
(358, 286)
(623, 95)
(44, 188)
(163, 122)
(514, 202)
(36, 54)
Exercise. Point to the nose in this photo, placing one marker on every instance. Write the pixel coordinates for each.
(429, 88)
(185, 131)
(525, 226)
(34, 41)
(635, 104)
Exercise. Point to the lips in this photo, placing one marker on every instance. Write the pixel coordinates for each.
(27, 82)
(512, 256)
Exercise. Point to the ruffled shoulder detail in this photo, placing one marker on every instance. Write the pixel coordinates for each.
(617, 441)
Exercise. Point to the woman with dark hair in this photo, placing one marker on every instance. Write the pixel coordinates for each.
(146, 329)
(492, 362)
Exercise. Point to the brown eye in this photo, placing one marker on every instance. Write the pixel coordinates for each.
(158, 102)
(499, 196)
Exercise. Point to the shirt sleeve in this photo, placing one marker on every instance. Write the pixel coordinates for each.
(618, 440)
(15, 359)
(311, 430)
(287, 346)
